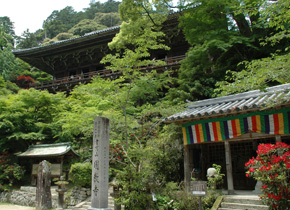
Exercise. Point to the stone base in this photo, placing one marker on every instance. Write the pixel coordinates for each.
(92, 208)
(231, 192)
(258, 188)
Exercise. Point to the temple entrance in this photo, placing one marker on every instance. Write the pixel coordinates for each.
(203, 156)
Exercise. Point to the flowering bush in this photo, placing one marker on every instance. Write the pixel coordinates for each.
(9, 172)
(24, 82)
(117, 153)
(272, 168)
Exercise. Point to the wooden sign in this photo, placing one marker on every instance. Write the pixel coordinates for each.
(198, 188)
(54, 168)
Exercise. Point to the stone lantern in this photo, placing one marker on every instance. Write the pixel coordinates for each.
(61, 190)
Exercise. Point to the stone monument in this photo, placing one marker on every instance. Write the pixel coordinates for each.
(43, 193)
(100, 163)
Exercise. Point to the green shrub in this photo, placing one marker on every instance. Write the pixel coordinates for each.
(81, 174)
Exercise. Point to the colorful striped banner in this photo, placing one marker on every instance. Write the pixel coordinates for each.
(275, 122)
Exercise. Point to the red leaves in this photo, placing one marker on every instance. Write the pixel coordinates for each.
(24, 82)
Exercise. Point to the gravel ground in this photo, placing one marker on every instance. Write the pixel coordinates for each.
(14, 207)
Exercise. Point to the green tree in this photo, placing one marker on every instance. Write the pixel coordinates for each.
(7, 26)
(269, 70)
(61, 21)
(222, 34)
(110, 6)
(8, 63)
(86, 26)
(27, 117)
(108, 19)
(28, 40)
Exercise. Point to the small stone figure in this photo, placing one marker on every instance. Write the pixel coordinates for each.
(211, 172)
(43, 193)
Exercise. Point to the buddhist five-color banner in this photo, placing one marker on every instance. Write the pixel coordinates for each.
(219, 129)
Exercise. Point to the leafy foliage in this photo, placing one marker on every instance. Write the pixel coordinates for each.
(258, 74)
(81, 174)
(108, 19)
(9, 172)
(217, 178)
(7, 25)
(273, 68)
(85, 26)
(8, 63)
(29, 117)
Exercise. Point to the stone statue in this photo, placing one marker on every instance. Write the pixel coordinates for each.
(43, 193)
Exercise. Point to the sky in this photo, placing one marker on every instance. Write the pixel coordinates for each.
(30, 14)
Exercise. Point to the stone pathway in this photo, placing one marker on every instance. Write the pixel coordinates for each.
(14, 207)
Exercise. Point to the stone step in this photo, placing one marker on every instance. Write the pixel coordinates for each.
(229, 209)
(243, 199)
(86, 206)
(243, 206)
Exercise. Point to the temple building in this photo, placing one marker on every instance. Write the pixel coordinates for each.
(56, 154)
(77, 60)
(227, 131)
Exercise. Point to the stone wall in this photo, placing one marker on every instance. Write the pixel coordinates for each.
(77, 195)
(26, 196)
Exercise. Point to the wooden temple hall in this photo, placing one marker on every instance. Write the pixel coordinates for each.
(58, 155)
(227, 130)
(77, 60)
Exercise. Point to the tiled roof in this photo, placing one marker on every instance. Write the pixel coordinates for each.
(90, 35)
(44, 150)
(233, 104)
(72, 40)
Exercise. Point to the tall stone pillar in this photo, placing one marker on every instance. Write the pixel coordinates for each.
(100, 169)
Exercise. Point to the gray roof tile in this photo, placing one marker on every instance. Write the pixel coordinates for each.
(233, 104)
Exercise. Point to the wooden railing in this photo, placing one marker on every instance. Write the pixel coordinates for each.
(86, 77)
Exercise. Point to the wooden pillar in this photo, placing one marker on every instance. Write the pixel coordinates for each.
(187, 171)
(204, 161)
(61, 166)
(229, 168)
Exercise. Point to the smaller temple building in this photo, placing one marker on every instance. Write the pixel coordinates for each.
(227, 131)
(56, 154)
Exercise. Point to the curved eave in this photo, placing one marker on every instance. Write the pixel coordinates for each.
(49, 150)
(67, 44)
(69, 152)
(192, 118)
